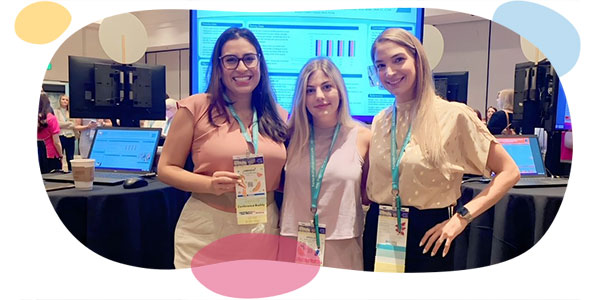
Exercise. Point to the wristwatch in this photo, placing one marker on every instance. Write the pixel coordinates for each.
(464, 213)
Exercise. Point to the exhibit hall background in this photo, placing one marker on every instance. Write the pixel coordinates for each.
(44, 261)
(466, 41)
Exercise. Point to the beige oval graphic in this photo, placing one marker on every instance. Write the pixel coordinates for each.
(42, 22)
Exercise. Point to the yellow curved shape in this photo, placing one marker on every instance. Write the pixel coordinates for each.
(42, 22)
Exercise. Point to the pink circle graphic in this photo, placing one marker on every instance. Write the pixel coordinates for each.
(252, 265)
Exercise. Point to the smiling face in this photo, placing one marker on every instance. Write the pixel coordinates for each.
(490, 112)
(395, 66)
(322, 98)
(242, 80)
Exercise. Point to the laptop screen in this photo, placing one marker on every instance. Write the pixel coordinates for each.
(525, 151)
(125, 149)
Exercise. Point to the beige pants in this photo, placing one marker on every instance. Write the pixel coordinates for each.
(201, 224)
(344, 254)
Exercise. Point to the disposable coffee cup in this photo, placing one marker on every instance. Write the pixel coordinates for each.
(83, 173)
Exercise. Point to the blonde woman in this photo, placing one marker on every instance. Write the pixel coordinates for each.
(325, 141)
(67, 133)
(443, 141)
(501, 120)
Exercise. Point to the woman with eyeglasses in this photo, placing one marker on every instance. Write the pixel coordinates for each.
(420, 149)
(237, 116)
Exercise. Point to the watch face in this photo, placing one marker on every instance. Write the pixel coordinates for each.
(463, 211)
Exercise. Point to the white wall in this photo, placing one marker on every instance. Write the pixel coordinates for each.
(168, 43)
(466, 49)
(505, 53)
(82, 43)
(166, 28)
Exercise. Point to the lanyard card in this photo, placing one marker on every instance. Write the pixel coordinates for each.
(391, 241)
(307, 244)
(250, 193)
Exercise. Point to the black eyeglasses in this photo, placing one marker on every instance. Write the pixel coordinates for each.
(231, 62)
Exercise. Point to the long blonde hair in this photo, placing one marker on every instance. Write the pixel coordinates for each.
(426, 129)
(506, 99)
(298, 124)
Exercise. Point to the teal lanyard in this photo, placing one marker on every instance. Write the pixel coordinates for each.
(395, 164)
(317, 179)
(254, 139)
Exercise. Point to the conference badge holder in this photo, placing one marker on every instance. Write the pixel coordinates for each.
(307, 251)
(250, 192)
(390, 252)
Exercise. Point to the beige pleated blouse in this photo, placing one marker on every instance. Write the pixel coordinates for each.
(466, 141)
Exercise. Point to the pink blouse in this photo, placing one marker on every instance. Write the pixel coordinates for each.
(213, 147)
(340, 205)
(46, 136)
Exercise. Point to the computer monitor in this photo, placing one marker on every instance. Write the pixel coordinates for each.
(563, 115)
(290, 39)
(534, 96)
(452, 86)
(101, 88)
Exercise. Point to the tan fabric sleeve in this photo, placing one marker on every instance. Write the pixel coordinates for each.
(474, 141)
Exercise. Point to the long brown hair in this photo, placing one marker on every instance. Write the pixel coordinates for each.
(43, 109)
(263, 100)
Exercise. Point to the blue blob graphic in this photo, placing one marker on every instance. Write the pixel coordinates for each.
(554, 35)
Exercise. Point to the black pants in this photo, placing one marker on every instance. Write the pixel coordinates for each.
(68, 143)
(47, 164)
(419, 221)
(42, 160)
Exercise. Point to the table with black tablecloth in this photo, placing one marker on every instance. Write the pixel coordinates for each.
(511, 227)
(130, 226)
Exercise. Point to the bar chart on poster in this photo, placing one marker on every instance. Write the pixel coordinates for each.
(289, 39)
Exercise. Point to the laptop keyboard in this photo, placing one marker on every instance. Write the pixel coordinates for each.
(542, 181)
(115, 175)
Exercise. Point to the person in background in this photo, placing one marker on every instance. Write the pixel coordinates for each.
(321, 121)
(67, 132)
(500, 122)
(171, 109)
(436, 142)
(48, 132)
(490, 111)
(478, 113)
(87, 129)
(237, 115)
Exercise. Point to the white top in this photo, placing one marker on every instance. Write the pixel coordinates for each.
(64, 122)
(339, 205)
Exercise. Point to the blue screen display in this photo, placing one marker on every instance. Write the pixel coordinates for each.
(289, 39)
(127, 150)
(525, 151)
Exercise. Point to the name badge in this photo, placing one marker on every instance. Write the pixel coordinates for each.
(250, 193)
(390, 252)
(306, 248)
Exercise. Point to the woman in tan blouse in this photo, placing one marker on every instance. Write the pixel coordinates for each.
(446, 140)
